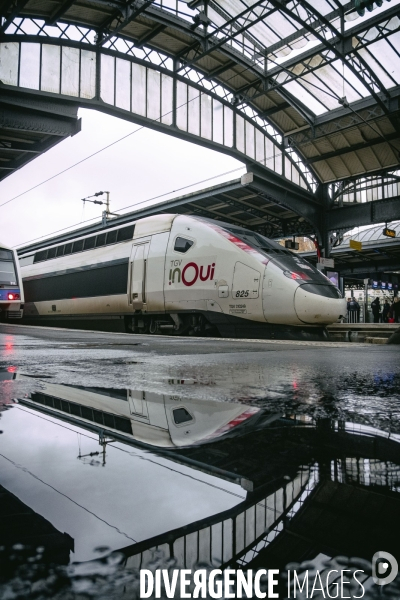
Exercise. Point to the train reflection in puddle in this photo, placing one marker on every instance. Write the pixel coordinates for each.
(312, 487)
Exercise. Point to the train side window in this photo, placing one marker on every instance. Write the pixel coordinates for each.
(38, 397)
(123, 424)
(101, 240)
(49, 401)
(182, 244)
(27, 260)
(67, 249)
(75, 409)
(87, 413)
(126, 233)
(6, 254)
(98, 416)
(90, 242)
(60, 250)
(39, 256)
(78, 246)
(111, 237)
(51, 253)
(109, 420)
(181, 415)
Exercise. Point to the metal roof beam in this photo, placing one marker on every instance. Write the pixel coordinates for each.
(28, 155)
(28, 121)
(357, 113)
(125, 16)
(377, 211)
(150, 35)
(225, 67)
(221, 42)
(274, 109)
(285, 193)
(354, 148)
(372, 21)
(6, 146)
(355, 67)
(14, 13)
(303, 31)
(60, 11)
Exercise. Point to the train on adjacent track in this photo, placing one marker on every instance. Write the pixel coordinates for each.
(179, 274)
(11, 291)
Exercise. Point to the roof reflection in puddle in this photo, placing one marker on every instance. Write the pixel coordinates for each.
(200, 480)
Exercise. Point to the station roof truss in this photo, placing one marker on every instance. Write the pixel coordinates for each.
(313, 88)
(378, 253)
(29, 127)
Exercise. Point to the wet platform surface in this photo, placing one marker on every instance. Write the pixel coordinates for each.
(224, 452)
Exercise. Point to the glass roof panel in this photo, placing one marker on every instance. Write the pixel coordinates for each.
(328, 95)
(215, 17)
(322, 6)
(385, 55)
(387, 81)
(278, 26)
(306, 98)
(355, 84)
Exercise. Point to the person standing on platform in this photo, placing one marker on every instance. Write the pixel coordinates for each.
(353, 310)
(385, 311)
(376, 309)
(391, 313)
(396, 309)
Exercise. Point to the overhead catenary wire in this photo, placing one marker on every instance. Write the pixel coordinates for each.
(144, 201)
(26, 470)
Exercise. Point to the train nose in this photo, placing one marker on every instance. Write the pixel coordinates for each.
(322, 305)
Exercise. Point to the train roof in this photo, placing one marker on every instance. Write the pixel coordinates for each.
(5, 247)
(148, 225)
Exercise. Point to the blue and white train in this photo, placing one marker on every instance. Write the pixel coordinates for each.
(180, 274)
(11, 292)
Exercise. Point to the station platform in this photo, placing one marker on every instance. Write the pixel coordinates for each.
(373, 333)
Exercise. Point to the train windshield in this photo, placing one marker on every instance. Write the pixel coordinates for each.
(293, 265)
(258, 241)
(7, 268)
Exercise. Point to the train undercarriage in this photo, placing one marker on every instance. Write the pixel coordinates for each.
(208, 324)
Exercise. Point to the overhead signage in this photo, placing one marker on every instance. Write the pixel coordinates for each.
(326, 262)
(389, 232)
(291, 244)
(355, 245)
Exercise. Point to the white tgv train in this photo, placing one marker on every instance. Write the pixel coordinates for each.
(11, 292)
(151, 418)
(180, 274)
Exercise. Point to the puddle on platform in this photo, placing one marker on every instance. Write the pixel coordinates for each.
(105, 481)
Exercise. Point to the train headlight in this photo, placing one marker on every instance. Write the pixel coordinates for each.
(13, 296)
(295, 275)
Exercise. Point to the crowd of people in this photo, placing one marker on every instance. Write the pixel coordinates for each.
(388, 312)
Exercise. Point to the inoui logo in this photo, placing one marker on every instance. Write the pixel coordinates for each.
(190, 273)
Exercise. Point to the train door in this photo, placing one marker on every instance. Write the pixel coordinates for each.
(137, 291)
(138, 405)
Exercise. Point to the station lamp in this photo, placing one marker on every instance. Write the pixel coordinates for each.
(361, 5)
